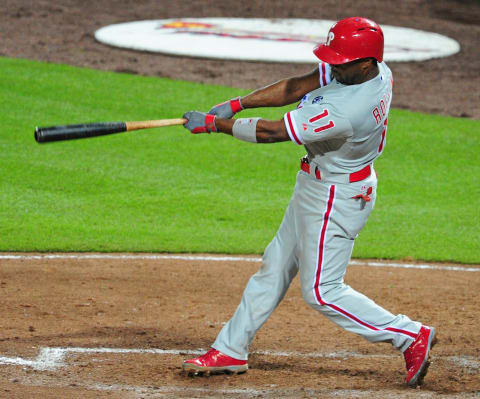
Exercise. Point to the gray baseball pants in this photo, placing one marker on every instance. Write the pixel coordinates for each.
(316, 237)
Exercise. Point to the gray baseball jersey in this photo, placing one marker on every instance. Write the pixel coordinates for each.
(343, 129)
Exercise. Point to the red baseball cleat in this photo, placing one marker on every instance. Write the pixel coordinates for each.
(214, 362)
(416, 356)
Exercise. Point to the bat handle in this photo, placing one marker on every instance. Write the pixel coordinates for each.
(156, 123)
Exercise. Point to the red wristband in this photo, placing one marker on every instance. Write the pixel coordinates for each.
(210, 123)
(236, 105)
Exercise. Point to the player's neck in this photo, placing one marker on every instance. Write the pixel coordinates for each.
(369, 74)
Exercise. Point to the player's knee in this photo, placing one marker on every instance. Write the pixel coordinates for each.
(318, 297)
(312, 299)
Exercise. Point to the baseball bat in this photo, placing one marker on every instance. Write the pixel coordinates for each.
(70, 132)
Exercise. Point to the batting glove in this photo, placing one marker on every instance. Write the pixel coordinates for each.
(200, 122)
(227, 109)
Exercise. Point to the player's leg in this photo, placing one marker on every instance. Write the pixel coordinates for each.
(322, 268)
(328, 243)
(327, 293)
(263, 293)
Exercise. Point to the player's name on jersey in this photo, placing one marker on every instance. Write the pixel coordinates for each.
(255, 39)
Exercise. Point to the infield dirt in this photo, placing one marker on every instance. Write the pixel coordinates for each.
(180, 305)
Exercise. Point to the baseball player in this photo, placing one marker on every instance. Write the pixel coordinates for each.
(341, 120)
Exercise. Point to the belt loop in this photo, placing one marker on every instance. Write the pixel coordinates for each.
(304, 165)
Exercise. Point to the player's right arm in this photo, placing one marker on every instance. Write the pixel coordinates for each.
(283, 92)
(278, 94)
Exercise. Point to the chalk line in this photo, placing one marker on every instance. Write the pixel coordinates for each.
(353, 262)
(267, 392)
(52, 358)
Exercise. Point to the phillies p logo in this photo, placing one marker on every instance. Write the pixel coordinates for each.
(331, 36)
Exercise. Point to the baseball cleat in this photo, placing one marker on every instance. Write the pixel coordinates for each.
(417, 356)
(212, 362)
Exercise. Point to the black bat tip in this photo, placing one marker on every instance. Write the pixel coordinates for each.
(38, 135)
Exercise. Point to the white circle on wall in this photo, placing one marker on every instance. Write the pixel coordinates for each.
(256, 39)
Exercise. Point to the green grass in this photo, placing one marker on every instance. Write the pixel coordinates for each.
(428, 203)
(166, 190)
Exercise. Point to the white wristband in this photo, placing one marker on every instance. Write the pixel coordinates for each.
(245, 129)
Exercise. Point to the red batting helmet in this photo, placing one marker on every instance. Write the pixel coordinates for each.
(351, 39)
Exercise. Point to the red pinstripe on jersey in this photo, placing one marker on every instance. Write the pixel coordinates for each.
(380, 147)
(291, 128)
(322, 74)
(384, 134)
(318, 275)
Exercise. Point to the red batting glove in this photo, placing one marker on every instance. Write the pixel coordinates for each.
(200, 122)
(227, 109)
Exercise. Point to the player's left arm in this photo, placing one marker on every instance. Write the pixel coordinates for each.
(284, 92)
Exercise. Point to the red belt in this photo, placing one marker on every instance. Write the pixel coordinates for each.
(353, 177)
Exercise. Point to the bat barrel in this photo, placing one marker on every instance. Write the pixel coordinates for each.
(70, 132)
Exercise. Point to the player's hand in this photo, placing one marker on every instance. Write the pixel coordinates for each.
(227, 109)
(200, 122)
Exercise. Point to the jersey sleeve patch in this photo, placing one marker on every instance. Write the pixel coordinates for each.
(325, 74)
